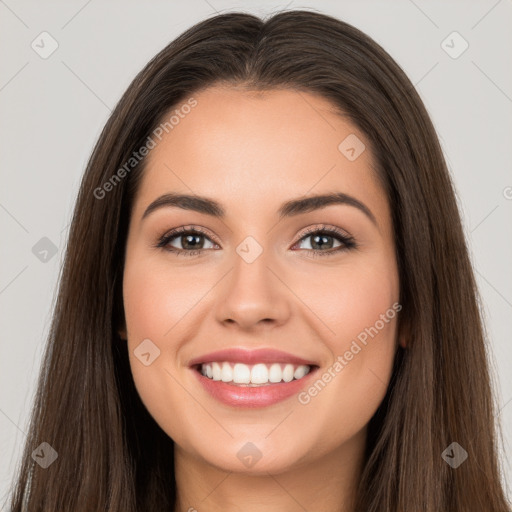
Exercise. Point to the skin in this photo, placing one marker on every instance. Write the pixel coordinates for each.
(251, 152)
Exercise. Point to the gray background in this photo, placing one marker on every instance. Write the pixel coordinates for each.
(53, 109)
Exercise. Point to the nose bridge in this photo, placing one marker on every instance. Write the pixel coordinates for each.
(252, 291)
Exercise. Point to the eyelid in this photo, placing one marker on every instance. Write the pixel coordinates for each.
(188, 228)
(346, 240)
(334, 231)
(324, 227)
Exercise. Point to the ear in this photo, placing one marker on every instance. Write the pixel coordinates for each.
(118, 318)
(121, 330)
(404, 332)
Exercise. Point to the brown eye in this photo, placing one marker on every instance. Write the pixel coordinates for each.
(327, 241)
(185, 241)
(190, 242)
(321, 241)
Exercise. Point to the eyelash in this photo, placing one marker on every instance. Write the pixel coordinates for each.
(347, 241)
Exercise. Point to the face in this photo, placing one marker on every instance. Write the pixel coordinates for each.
(317, 281)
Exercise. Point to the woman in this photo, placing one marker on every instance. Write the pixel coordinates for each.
(265, 371)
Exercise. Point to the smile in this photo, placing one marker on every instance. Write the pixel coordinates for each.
(253, 375)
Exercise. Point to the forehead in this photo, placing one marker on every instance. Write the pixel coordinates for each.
(248, 148)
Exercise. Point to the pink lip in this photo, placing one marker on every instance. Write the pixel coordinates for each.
(262, 396)
(238, 355)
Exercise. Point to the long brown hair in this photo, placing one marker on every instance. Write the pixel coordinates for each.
(111, 453)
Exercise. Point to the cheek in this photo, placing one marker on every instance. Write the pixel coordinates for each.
(366, 328)
(350, 297)
(363, 305)
(155, 300)
(358, 308)
(341, 305)
(156, 303)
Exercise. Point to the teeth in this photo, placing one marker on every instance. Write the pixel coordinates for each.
(258, 374)
(275, 373)
(226, 374)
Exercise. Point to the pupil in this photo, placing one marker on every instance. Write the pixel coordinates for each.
(319, 241)
(188, 238)
(323, 238)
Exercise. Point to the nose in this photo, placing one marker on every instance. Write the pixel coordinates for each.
(253, 295)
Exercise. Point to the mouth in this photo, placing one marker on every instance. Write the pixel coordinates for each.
(255, 375)
(252, 378)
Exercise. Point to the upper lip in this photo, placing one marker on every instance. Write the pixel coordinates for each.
(239, 355)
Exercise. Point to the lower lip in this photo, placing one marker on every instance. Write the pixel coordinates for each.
(258, 396)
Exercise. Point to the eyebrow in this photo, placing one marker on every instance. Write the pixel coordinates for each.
(290, 208)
